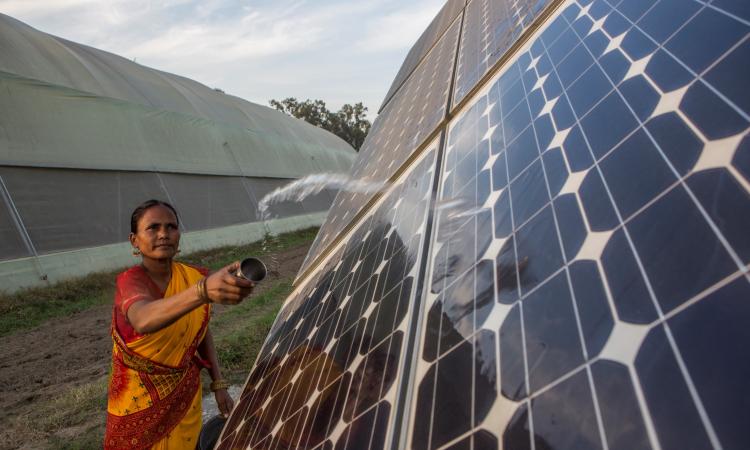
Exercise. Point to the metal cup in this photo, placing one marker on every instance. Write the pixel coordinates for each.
(252, 269)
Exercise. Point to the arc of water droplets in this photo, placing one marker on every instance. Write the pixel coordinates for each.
(300, 189)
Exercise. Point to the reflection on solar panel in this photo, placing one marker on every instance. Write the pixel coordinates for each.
(581, 280)
(328, 370)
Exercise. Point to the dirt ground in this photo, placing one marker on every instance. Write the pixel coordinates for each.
(42, 363)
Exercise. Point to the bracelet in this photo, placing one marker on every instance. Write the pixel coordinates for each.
(218, 385)
(203, 291)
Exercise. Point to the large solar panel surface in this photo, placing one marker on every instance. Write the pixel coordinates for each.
(584, 277)
(328, 373)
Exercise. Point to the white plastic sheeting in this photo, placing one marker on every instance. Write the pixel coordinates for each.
(86, 135)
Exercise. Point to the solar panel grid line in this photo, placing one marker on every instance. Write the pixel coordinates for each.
(320, 255)
(413, 268)
(724, 241)
(705, 293)
(527, 384)
(688, 379)
(507, 36)
(544, 11)
(579, 327)
(430, 432)
(276, 392)
(403, 405)
(666, 160)
(273, 385)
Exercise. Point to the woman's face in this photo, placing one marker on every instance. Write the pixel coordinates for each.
(158, 235)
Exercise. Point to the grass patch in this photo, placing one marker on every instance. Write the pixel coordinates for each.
(73, 407)
(29, 308)
(240, 331)
(220, 257)
(91, 438)
(73, 420)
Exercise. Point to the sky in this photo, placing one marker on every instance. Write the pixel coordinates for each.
(336, 50)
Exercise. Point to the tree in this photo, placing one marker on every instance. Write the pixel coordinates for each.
(348, 123)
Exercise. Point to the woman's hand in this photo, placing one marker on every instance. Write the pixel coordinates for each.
(226, 288)
(224, 402)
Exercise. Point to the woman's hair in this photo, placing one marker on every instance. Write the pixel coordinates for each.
(139, 211)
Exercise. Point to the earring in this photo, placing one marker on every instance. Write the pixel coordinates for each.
(136, 251)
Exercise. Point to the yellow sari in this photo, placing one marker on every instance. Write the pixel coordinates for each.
(154, 388)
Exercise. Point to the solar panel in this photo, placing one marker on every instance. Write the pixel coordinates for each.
(329, 369)
(424, 44)
(582, 273)
(406, 123)
(491, 28)
(599, 242)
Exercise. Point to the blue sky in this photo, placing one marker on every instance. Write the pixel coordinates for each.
(336, 50)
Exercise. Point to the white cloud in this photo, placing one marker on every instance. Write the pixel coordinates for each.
(19, 7)
(397, 30)
(338, 50)
(259, 35)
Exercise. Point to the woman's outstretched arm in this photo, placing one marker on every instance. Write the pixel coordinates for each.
(149, 316)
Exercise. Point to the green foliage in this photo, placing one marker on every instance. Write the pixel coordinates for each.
(241, 330)
(348, 123)
(222, 256)
(29, 308)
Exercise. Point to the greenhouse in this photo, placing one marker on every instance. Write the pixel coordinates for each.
(86, 135)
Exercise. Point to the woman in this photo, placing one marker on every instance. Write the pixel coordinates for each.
(161, 338)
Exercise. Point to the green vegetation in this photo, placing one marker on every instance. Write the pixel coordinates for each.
(348, 123)
(29, 308)
(220, 257)
(239, 334)
(73, 406)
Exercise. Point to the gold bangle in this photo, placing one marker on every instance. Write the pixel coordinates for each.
(218, 385)
(205, 291)
(202, 291)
